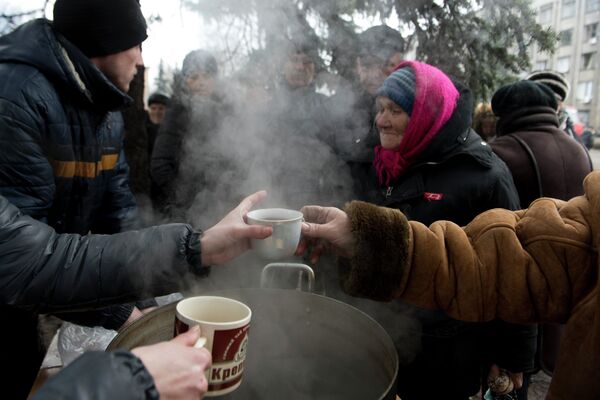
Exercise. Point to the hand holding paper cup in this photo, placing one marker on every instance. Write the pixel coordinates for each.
(224, 325)
(286, 232)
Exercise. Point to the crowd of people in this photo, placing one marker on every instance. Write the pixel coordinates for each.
(399, 147)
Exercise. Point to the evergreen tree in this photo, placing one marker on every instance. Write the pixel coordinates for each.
(483, 42)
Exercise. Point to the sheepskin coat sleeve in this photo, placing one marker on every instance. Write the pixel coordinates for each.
(534, 265)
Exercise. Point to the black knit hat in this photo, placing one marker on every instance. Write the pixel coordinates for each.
(554, 80)
(520, 95)
(380, 41)
(100, 27)
(158, 98)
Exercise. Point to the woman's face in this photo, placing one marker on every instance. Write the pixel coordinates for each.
(391, 122)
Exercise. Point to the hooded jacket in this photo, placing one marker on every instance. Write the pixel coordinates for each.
(535, 265)
(61, 157)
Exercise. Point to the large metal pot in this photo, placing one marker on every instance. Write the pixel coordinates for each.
(301, 346)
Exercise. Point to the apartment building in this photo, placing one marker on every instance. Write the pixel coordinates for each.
(576, 56)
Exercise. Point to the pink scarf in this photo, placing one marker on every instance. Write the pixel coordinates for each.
(435, 101)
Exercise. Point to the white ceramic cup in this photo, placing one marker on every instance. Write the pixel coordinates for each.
(224, 325)
(286, 232)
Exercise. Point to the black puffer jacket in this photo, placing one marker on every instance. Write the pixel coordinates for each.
(118, 375)
(61, 158)
(43, 271)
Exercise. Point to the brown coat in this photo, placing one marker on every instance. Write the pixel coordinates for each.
(534, 265)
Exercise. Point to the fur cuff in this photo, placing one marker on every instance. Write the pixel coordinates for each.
(382, 239)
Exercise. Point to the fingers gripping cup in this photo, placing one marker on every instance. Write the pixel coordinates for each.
(224, 325)
(286, 232)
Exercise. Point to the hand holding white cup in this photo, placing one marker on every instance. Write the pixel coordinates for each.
(286, 225)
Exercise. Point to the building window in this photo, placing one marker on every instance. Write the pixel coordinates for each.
(592, 5)
(545, 14)
(562, 64)
(588, 60)
(568, 9)
(591, 32)
(541, 64)
(585, 91)
(565, 37)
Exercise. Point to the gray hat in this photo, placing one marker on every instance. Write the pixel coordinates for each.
(554, 80)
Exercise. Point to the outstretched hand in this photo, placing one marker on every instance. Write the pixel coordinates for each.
(177, 367)
(325, 227)
(231, 236)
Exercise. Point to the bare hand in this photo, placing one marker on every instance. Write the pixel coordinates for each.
(177, 366)
(325, 226)
(231, 236)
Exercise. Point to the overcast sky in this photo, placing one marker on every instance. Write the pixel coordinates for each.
(179, 32)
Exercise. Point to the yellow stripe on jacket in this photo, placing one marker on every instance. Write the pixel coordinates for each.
(83, 169)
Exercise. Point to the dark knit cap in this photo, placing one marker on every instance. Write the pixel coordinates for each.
(400, 87)
(520, 95)
(158, 98)
(199, 60)
(380, 41)
(554, 80)
(100, 27)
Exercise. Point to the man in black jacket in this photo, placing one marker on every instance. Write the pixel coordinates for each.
(63, 84)
(42, 271)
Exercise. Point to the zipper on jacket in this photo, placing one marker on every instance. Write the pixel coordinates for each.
(388, 193)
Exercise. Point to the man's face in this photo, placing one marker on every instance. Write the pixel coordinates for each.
(120, 68)
(372, 70)
(299, 70)
(201, 83)
(393, 62)
(371, 73)
(156, 112)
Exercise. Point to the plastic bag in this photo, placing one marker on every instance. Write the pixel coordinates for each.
(74, 340)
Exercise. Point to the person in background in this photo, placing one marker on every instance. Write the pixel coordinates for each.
(535, 265)
(431, 165)
(91, 271)
(197, 109)
(561, 89)
(295, 124)
(157, 109)
(63, 85)
(544, 162)
(155, 114)
(353, 135)
(484, 121)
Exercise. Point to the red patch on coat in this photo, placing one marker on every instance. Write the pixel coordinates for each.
(433, 196)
